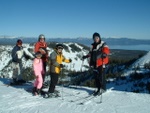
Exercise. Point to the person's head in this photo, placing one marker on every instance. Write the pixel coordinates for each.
(97, 37)
(19, 42)
(59, 48)
(38, 55)
(41, 38)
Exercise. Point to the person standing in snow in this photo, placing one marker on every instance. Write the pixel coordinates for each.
(56, 59)
(41, 46)
(17, 54)
(38, 72)
(98, 55)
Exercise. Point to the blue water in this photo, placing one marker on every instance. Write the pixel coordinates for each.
(125, 47)
(131, 47)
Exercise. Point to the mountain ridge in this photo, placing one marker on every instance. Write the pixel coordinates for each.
(85, 41)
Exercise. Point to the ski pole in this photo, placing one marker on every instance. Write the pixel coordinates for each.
(101, 97)
(103, 66)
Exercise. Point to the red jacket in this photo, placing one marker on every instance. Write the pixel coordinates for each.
(96, 53)
(41, 47)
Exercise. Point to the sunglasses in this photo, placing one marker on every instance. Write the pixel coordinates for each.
(60, 48)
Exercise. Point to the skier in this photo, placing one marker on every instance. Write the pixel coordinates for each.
(38, 72)
(17, 54)
(41, 46)
(98, 55)
(56, 59)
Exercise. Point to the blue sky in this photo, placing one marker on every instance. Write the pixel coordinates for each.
(75, 18)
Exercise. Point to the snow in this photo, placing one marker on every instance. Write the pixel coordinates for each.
(5, 51)
(76, 63)
(143, 60)
(5, 58)
(117, 99)
(18, 100)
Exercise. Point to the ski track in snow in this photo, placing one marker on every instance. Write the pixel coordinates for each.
(17, 100)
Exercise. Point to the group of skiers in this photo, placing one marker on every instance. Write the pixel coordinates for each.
(98, 55)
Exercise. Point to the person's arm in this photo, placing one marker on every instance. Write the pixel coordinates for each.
(36, 47)
(88, 55)
(27, 54)
(53, 59)
(66, 60)
(104, 56)
(105, 51)
(14, 54)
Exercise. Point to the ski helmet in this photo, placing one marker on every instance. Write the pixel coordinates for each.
(41, 36)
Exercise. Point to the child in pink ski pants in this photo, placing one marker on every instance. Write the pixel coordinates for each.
(38, 71)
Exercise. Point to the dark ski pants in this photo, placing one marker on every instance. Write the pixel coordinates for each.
(43, 75)
(99, 77)
(53, 82)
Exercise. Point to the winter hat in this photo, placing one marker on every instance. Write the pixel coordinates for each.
(41, 36)
(19, 42)
(59, 46)
(96, 35)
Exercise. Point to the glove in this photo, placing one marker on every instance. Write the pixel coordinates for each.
(104, 55)
(26, 57)
(61, 66)
(70, 60)
(84, 57)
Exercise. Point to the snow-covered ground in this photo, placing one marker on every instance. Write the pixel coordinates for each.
(5, 55)
(143, 60)
(18, 100)
(129, 84)
(116, 100)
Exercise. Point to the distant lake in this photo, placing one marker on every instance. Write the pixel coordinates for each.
(131, 47)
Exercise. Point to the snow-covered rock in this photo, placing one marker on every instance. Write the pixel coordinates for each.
(5, 58)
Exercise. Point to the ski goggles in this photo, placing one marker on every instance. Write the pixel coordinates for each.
(59, 47)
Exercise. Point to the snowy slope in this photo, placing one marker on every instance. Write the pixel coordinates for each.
(5, 55)
(76, 63)
(140, 62)
(17, 100)
(5, 58)
(131, 78)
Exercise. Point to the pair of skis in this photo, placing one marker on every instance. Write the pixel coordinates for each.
(87, 99)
